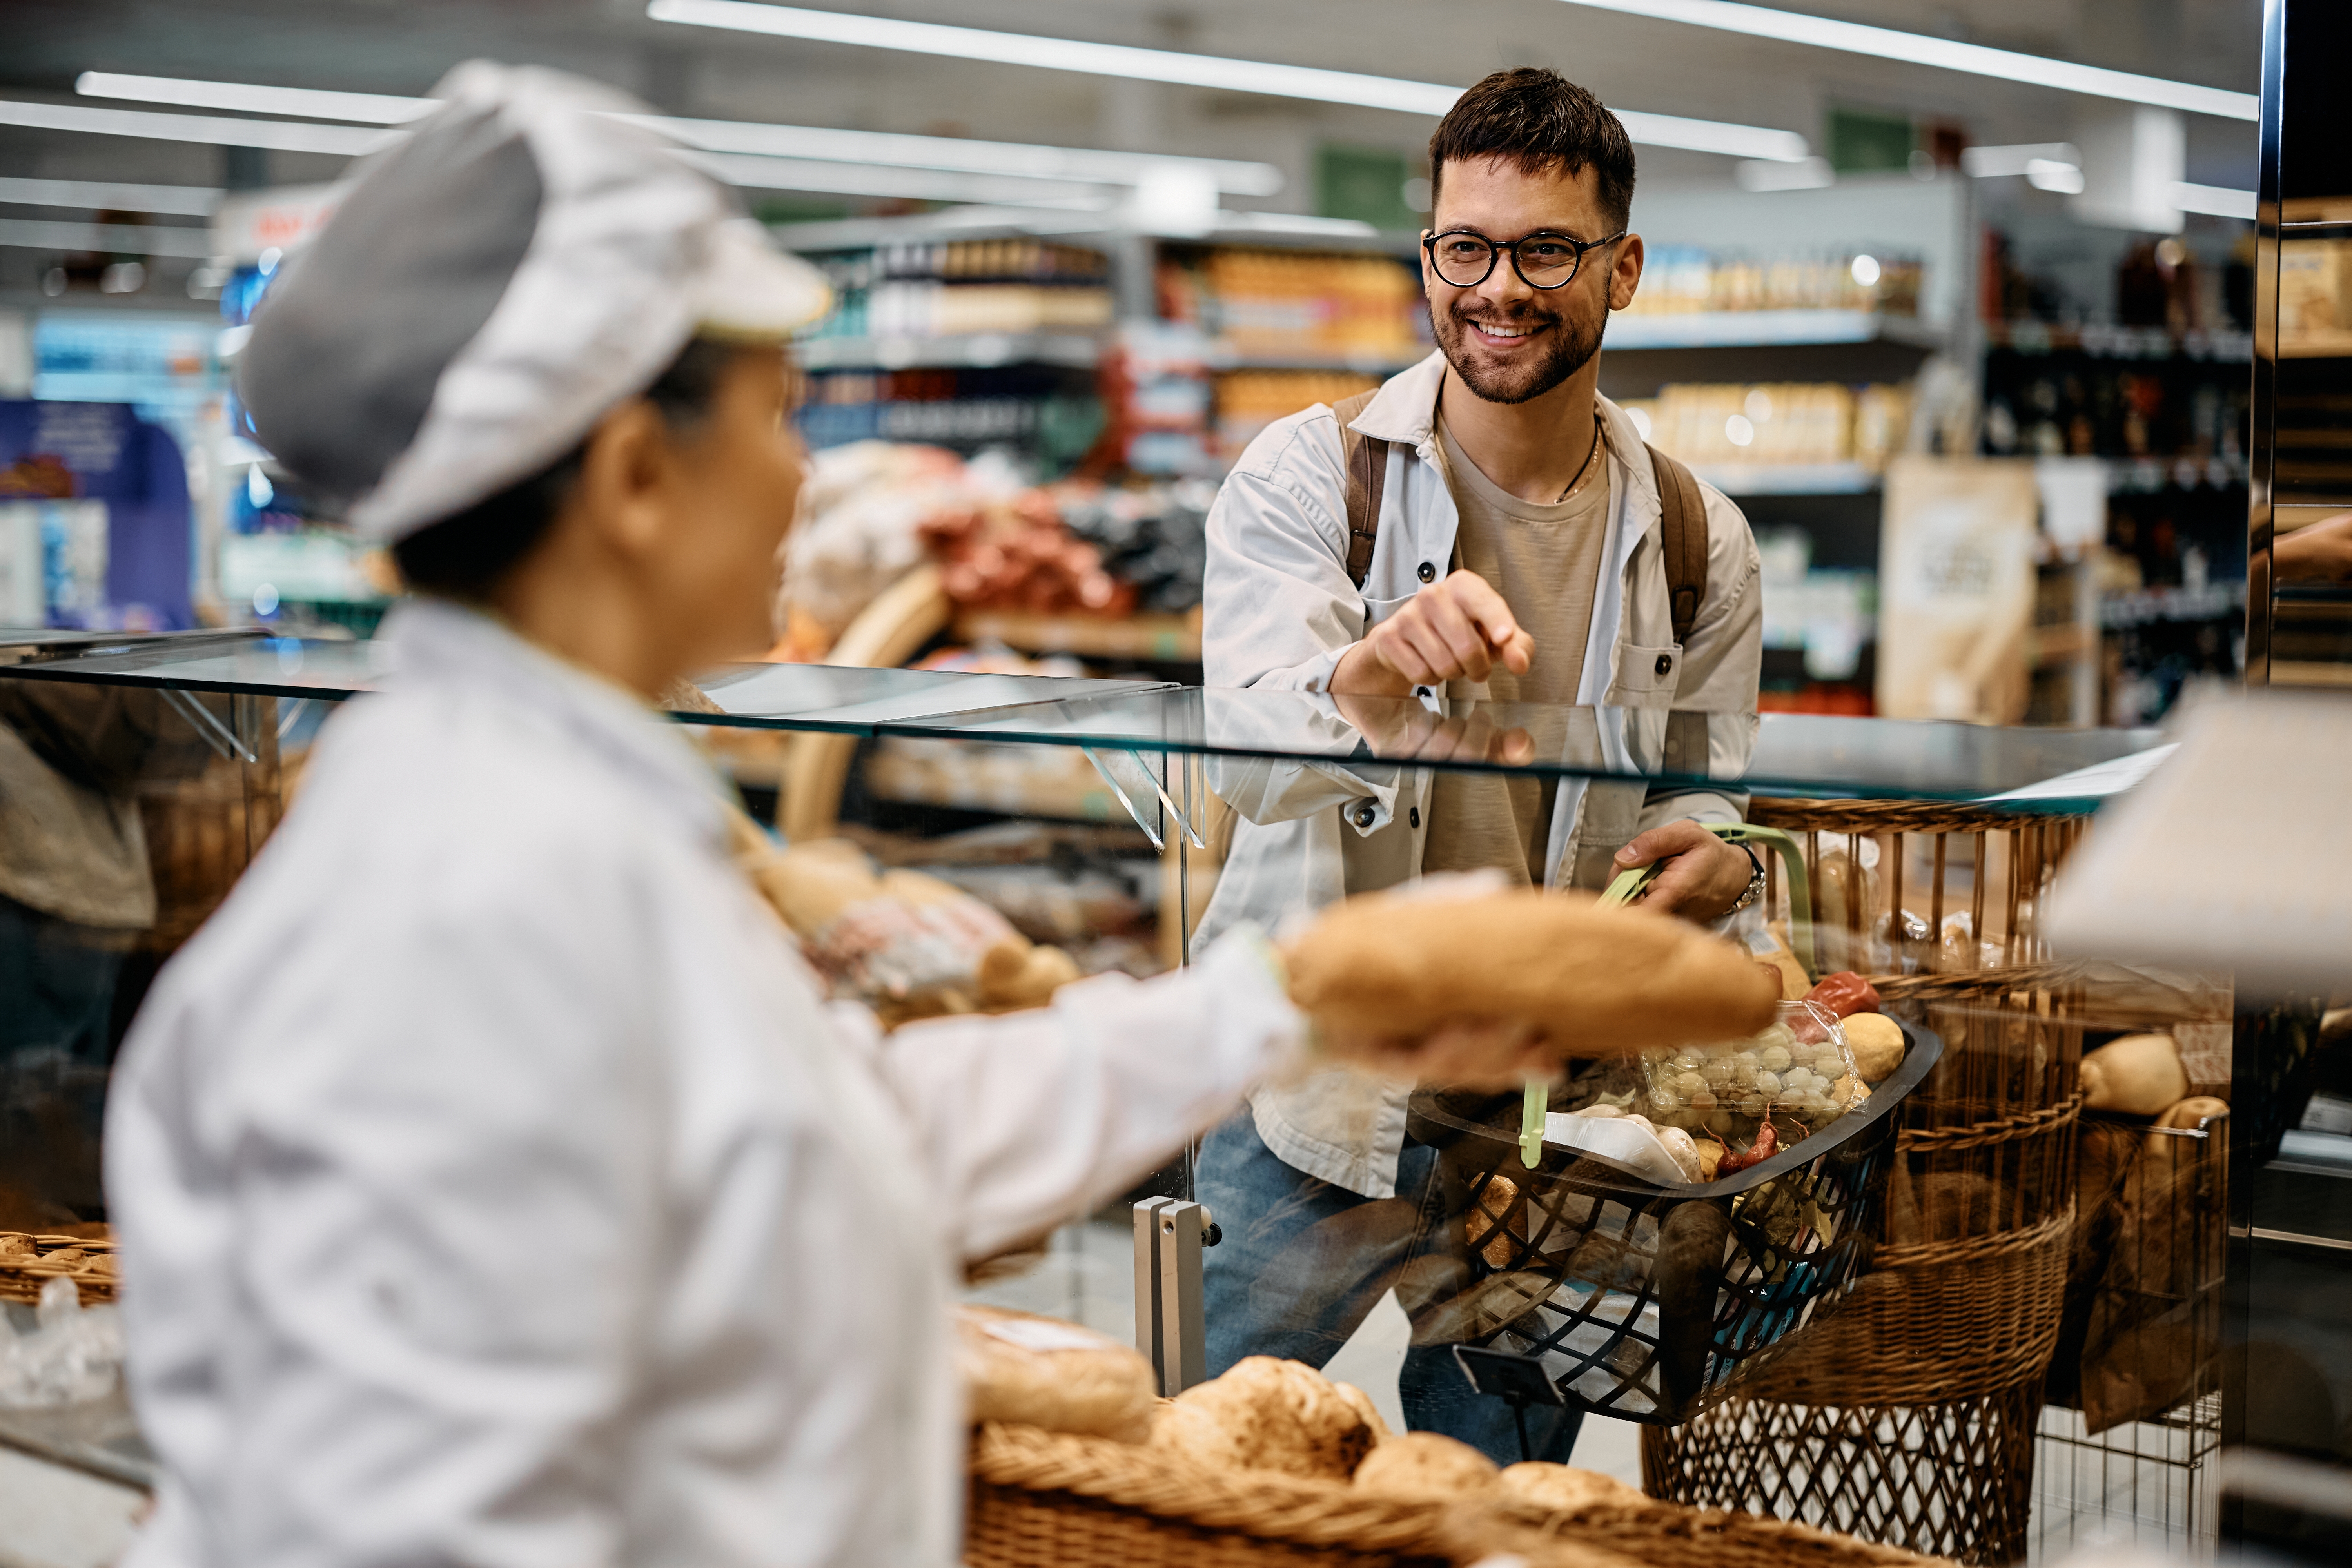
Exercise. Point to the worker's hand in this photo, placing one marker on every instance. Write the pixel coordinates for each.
(1701, 877)
(2319, 553)
(1472, 1054)
(1457, 629)
(1401, 728)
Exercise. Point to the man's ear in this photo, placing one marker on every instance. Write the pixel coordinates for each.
(1625, 271)
(624, 478)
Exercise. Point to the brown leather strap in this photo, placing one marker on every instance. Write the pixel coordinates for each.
(1682, 530)
(1367, 461)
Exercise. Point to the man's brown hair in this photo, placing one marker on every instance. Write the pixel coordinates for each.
(1541, 122)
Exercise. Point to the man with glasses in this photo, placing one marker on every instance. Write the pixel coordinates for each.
(1483, 528)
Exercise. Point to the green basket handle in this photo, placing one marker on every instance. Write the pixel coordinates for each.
(1536, 1098)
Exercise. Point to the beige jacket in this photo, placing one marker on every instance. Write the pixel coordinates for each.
(1281, 611)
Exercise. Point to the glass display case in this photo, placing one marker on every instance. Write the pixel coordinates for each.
(1858, 1274)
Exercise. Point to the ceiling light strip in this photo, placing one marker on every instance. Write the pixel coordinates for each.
(251, 97)
(281, 136)
(1215, 71)
(91, 196)
(1020, 160)
(1945, 53)
(2214, 201)
(911, 185)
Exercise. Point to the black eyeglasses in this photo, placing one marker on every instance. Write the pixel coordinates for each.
(1464, 259)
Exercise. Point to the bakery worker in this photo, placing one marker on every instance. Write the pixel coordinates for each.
(493, 1186)
(1520, 557)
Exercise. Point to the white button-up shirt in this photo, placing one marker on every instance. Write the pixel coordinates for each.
(494, 1188)
(1281, 612)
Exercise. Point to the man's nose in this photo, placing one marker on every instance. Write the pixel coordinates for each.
(1503, 286)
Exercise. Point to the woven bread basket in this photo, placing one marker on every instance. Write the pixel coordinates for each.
(1052, 1499)
(88, 1262)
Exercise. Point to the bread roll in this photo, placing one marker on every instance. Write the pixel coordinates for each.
(1590, 980)
(2138, 1075)
(1041, 1371)
(1425, 1465)
(1482, 1227)
(1267, 1415)
(1361, 1403)
(1876, 1042)
(1562, 1488)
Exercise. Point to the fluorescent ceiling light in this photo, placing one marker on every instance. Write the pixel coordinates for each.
(911, 185)
(1012, 158)
(1187, 70)
(1945, 53)
(1994, 162)
(807, 141)
(278, 136)
(122, 239)
(2216, 201)
(370, 108)
(1294, 223)
(193, 201)
(1760, 174)
(2050, 175)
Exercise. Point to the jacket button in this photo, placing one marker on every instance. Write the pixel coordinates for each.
(1421, 691)
(1428, 572)
(1365, 812)
(1413, 816)
(1666, 664)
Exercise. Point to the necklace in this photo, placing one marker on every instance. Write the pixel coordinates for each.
(1588, 453)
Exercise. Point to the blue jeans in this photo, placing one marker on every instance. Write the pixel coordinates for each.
(1302, 1262)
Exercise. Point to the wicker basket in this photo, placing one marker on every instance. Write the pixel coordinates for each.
(1996, 867)
(1908, 1414)
(92, 1272)
(1050, 1499)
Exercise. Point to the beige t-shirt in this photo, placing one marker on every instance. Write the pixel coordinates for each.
(1545, 560)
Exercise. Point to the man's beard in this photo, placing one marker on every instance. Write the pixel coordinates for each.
(1572, 344)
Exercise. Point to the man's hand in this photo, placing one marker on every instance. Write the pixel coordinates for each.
(1701, 875)
(1457, 629)
(2319, 553)
(1401, 728)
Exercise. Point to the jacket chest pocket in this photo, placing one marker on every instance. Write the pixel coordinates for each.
(1646, 677)
(1379, 610)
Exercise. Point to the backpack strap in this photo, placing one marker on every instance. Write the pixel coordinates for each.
(1366, 458)
(1682, 530)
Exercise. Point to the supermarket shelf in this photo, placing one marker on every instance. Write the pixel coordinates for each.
(1765, 328)
(2118, 343)
(1368, 361)
(1165, 638)
(2223, 601)
(972, 349)
(1789, 479)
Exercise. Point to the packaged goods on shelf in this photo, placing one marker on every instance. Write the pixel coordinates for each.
(1296, 300)
(1683, 280)
(1038, 409)
(1155, 388)
(932, 288)
(1829, 613)
(1250, 400)
(1787, 422)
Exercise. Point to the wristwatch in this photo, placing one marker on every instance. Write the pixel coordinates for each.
(1755, 883)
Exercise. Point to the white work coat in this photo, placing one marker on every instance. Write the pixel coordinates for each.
(495, 1189)
(1281, 611)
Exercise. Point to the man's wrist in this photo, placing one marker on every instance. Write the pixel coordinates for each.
(1361, 672)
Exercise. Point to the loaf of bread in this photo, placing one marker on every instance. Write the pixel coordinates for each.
(1041, 1371)
(1425, 1465)
(2196, 1109)
(1268, 1415)
(1560, 1489)
(1876, 1042)
(2138, 1075)
(1586, 979)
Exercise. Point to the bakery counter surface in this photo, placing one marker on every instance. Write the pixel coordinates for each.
(99, 1437)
